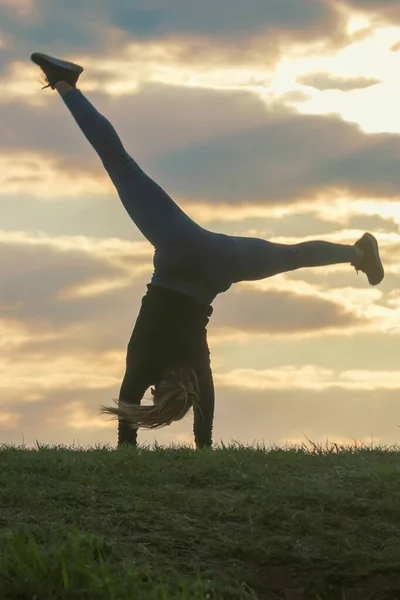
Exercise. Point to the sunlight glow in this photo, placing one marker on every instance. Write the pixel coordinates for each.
(375, 108)
(357, 23)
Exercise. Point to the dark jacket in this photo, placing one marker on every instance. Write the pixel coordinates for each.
(170, 331)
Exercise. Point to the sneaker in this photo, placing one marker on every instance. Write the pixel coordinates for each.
(370, 264)
(56, 70)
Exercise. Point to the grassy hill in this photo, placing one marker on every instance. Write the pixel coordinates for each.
(172, 523)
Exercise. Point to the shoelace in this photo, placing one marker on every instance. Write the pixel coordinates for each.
(358, 269)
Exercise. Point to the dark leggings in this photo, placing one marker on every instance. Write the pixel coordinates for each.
(188, 258)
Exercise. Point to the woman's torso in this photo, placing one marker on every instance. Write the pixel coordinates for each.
(171, 329)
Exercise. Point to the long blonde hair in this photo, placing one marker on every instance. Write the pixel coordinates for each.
(174, 394)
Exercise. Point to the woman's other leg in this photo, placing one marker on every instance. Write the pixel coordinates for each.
(153, 211)
(259, 259)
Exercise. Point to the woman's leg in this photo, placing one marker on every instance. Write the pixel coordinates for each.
(153, 211)
(259, 259)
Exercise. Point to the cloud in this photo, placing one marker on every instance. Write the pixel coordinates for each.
(272, 311)
(290, 158)
(40, 175)
(327, 81)
(308, 377)
(374, 223)
(35, 281)
(52, 27)
(71, 416)
(213, 17)
(277, 416)
(82, 214)
(386, 11)
(230, 29)
(20, 8)
(215, 31)
(337, 352)
(155, 120)
(269, 415)
(70, 295)
(215, 147)
(54, 415)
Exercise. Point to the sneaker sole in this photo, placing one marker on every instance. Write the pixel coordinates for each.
(41, 59)
(377, 277)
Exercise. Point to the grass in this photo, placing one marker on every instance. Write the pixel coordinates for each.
(170, 523)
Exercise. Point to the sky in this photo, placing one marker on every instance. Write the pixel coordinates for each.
(274, 120)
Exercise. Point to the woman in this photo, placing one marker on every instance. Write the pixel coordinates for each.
(168, 348)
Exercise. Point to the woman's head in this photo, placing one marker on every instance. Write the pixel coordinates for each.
(173, 395)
